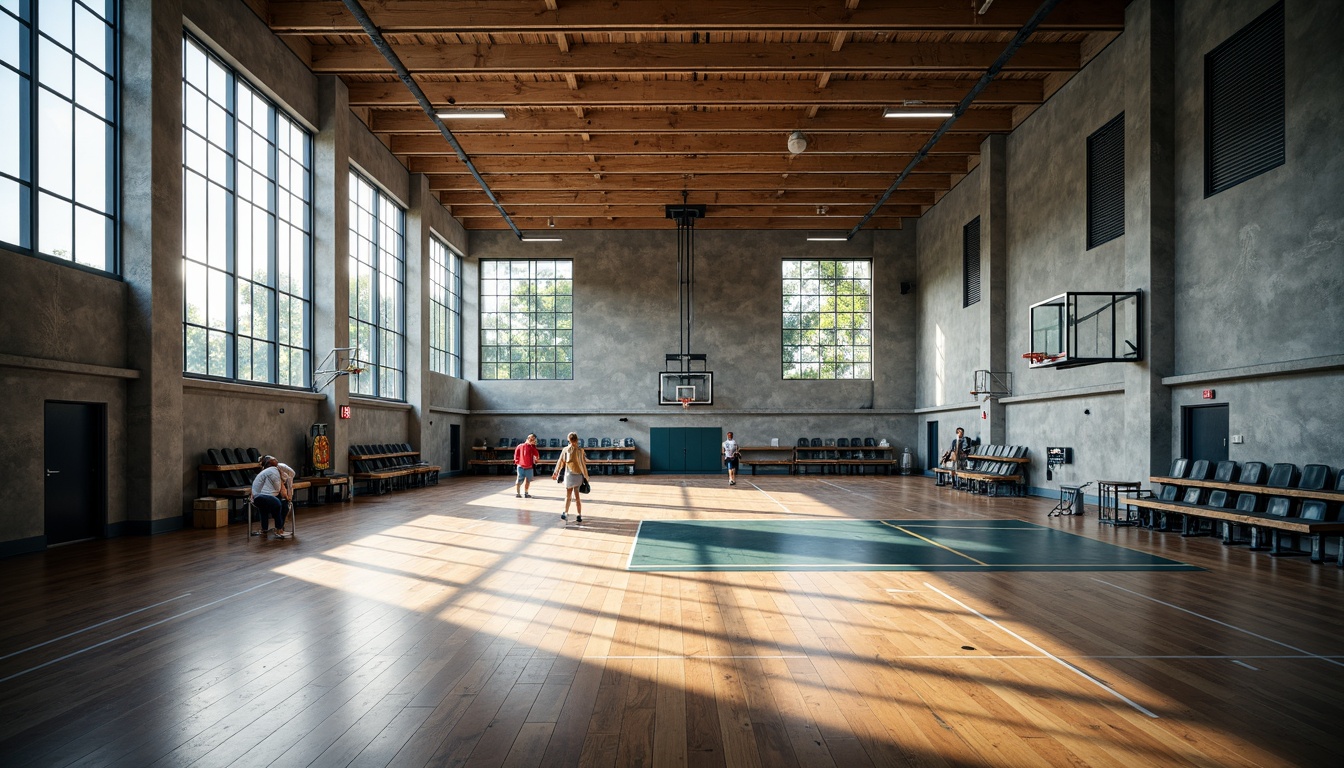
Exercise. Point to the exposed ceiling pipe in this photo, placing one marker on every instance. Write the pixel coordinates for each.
(380, 43)
(1017, 41)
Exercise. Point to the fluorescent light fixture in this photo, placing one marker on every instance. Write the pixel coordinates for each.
(472, 114)
(536, 239)
(827, 238)
(915, 113)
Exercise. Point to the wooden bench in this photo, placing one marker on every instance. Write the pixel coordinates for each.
(385, 470)
(1255, 520)
(861, 463)
(989, 474)
(206, 474)
(944, 476)
(1229, 518)
(988, 483)
(779, 456)
(612, 464)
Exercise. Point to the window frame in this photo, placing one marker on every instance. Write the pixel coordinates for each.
(1235, 44)
(277, 295)
(1107, 137)
(382, 203)
(532, 361)
(854, 364)
(445, 323)
(28, 183)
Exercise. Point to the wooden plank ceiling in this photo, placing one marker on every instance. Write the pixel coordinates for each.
(614, 108)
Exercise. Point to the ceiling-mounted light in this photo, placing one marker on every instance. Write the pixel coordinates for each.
(472, 114)
(827, 238)
(908, 112)
(539, 239)
(550, 222)
(797, 142)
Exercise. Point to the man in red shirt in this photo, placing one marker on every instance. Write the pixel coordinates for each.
(525, 459)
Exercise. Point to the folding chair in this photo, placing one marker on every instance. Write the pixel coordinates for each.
(265, 522)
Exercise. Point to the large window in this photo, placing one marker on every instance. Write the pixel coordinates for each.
(527, 320)
(58, 166)
(445, 309)
(1245, 104)
(377, 292)
(246, 229)
(828, 319)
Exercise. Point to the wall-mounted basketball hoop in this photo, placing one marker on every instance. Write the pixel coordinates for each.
(342, 362)
(992, 384)
(1080, 328)
(685, 380)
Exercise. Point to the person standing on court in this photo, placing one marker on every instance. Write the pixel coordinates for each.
(574, 465)
(731, 457)
(525, 458)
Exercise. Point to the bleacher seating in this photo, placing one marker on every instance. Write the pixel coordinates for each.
(384, 467)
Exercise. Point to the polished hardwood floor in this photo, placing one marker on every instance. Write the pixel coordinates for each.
(457, 625)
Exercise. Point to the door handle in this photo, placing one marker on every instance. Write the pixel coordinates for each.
(51, 472)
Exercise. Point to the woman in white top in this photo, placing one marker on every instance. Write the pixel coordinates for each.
(575, 464)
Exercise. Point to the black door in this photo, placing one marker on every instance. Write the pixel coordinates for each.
(455, 447)
(931, 452)
(685, 449)
(1204, 431)
(75, 458)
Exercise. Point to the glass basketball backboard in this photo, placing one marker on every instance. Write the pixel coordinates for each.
(696, 385)
(1085, 328)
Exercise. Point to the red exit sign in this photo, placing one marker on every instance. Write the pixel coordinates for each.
(345, 410)
(1208, 395)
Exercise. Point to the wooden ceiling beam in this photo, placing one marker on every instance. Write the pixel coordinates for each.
(682, 144)
(653, 211)
(667, 93)
(674, 183)
(541, 224)
(782, 121)
(650, 58)
(881, 165)
(329, 17)
(780, 198)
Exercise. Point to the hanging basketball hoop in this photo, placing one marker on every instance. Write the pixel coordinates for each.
(686, 403)
(1037, 358)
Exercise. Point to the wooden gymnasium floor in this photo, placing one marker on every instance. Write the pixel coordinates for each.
(458, 625)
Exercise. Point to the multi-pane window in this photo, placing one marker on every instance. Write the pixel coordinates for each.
(828, 319)
(246, 229)
(377, 292)
(445, 309)
(527, 320)
(58, 166)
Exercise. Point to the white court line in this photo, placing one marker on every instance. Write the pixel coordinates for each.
(1220, 623)
(94, 626)
(1049, 655)
(768, 496)
(1244, 664)
(137, 631)
(630, 561)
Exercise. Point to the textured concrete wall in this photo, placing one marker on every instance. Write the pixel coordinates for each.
(1258, 266)
(237, 35)
(372, 421)
(57, 313)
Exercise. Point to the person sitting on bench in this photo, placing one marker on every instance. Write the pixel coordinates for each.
(272, 491)
(961, 448)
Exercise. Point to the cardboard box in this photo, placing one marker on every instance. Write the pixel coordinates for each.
(210, 512)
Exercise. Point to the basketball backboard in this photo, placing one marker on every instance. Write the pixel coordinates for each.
(1085, 328)
(696, 385)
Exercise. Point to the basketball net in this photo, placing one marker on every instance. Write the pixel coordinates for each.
(686, 403)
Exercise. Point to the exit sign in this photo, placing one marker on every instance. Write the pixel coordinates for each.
(1208, 394)
(345, 410)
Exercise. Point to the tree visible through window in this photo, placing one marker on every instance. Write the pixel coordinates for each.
(377, 291)
(445, 309)
(527, 320)
(828, 319)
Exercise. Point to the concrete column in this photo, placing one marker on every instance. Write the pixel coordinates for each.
(417, 306)
(331, 252)
(1150, 228)
(993, 276)
(151, 236)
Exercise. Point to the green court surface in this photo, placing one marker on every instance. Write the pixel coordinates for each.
(877, 545)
